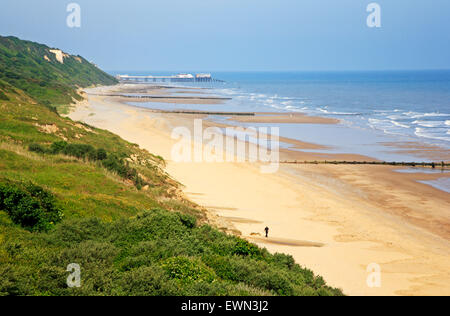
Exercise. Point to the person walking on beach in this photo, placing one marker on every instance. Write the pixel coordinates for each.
(267, 231)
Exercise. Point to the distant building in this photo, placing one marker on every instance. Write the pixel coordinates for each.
(184, 76)
(199, 76)
(203, 77)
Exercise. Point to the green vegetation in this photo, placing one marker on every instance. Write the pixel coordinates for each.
(87, 152)
(68, 194)
(34, 69)
(29, 205)
(154, 253)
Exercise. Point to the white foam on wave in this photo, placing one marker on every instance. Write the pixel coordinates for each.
(384, 111)
(400, 124)
(336, 113)
(447, 122)
(423, 132)
(416, 115)
(276, 97)
(397, 117)
(430, 124)
(387, 126)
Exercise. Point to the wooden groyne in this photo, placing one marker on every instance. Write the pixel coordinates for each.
(443, 165)
(205, 113)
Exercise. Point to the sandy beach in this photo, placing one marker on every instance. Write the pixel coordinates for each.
(333, 219)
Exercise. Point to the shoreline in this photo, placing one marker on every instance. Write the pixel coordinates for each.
(427, 151)
(401, 150)
(359, 214)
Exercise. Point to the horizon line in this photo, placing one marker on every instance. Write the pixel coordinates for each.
(282, 71)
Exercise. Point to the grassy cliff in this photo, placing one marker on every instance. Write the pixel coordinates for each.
(48, 75)
(71, 193)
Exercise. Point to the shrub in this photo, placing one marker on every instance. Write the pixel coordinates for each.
(147, 281)
(244, 248)
(187, 270)
(283, 260)
(3, 96)
(274, 280)
(12, 281)
(75, 231)
(81, 151)
(101, 154)
(58, 147)
(223, 267)
(29, 205)
(37, 148)
(187, 220)
(114, 163)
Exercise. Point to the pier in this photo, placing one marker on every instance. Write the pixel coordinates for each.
(172, 78)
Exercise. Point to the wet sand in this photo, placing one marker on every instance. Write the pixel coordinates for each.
(281, 118)
(350, 216)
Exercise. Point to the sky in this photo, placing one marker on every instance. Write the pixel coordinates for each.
(240, 35)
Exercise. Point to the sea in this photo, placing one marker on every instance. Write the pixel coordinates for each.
(376, 108)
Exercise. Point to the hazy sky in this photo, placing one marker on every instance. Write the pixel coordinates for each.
(212, 35)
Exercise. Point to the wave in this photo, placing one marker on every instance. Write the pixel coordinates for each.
(387, 126)
(430, 124)
(433, 125)
(337, 113)
(386, 111)
(276, 97)
(397, 117)
(422, 132)
(416, 115)
(400, 124)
